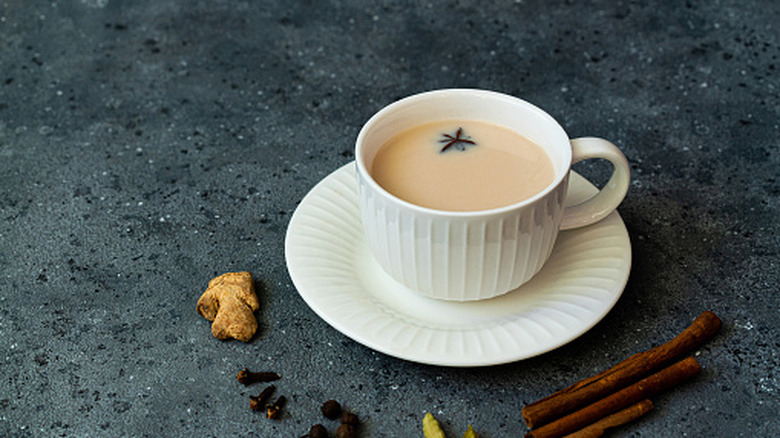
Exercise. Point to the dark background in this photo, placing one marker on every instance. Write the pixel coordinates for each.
(147, 146)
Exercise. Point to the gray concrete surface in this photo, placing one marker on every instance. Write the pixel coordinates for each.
(148, 146)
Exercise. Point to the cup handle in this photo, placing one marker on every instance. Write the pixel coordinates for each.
(610, 196)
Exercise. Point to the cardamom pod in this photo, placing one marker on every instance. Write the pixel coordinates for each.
(470, 433)
(431, 427)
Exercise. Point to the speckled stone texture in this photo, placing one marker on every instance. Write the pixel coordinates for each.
(148, 146)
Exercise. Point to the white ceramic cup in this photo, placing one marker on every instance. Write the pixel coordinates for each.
(476, 255)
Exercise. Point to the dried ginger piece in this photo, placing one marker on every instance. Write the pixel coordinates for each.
(230, 302)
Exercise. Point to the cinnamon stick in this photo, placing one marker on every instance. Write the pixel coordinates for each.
(619, 418)
(645, 388)
(624, 373)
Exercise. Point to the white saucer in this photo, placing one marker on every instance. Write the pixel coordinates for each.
(330, 265)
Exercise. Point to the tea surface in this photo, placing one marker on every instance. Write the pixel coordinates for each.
(462, 165)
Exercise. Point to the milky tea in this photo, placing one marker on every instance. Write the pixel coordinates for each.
(462, 165)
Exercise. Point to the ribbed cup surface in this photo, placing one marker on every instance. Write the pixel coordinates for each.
(460, 257)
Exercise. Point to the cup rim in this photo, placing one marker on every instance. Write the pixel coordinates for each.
(363, 171)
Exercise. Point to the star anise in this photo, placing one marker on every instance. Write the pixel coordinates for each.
(459, 141)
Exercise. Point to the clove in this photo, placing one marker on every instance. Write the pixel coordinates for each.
(258, 403)
(247, 377)
(273, 410)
